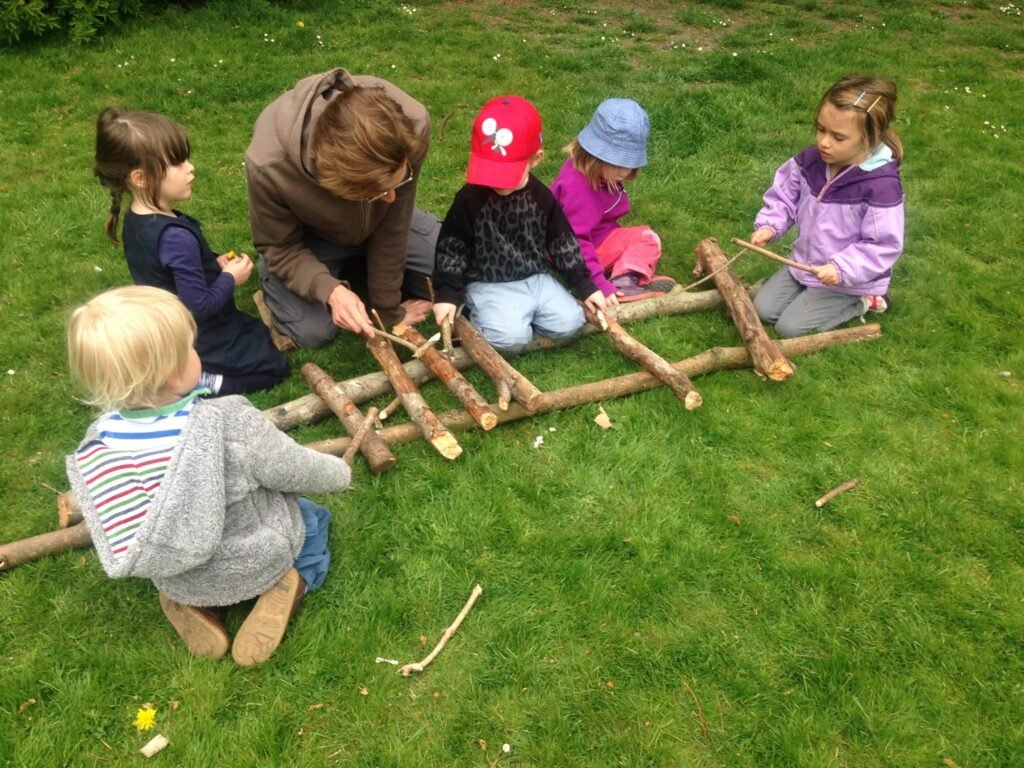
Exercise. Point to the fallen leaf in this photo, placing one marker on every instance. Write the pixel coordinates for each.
(482, 743)
(28, 703)
(423, 641)
(602, 420)
(609, 684)
(735, 519)
(364, 692)
(949, 762)
(311, 707)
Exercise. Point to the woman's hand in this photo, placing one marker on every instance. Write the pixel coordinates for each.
(348, 311)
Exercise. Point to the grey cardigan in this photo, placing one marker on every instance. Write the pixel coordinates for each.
(224, 525)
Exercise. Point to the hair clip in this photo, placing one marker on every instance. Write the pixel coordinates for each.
(862, 95)
(868, 110)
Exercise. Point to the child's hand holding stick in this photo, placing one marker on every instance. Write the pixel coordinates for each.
(773, 256)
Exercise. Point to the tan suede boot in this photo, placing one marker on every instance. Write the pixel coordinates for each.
(264, 627)
(201, 630)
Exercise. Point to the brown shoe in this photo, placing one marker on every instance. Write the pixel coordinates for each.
(200, 629)
(263, 628)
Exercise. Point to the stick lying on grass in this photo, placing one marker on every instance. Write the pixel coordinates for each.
(419, 666)
(848, 485)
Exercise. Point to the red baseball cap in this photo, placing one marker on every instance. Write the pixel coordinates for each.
(506, 134)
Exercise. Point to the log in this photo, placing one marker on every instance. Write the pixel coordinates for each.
(715, 359)
(497, 367)
(456, 383)
(675, 380)
(311, 408)
(52, 543)
(423, 418)
(376, 451)
(68, 512)
(360, 435)
(769, 361)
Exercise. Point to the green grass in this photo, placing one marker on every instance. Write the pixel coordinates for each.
(661, 594)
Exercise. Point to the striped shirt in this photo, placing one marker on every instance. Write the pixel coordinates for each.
(124, 466)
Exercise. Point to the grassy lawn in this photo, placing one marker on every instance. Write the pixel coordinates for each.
(664, 593)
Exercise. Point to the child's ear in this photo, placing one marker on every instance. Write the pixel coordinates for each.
(537, 157)
(137, 178)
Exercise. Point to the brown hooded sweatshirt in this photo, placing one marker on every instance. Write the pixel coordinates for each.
(285, 197)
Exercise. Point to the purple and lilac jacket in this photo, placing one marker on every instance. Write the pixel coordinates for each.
(593, 214)
(854, 219)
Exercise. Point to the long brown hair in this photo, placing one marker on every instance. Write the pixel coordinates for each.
(128, 140)
(873, 101)
(361, 140)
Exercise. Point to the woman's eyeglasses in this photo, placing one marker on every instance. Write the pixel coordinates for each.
(395, 188)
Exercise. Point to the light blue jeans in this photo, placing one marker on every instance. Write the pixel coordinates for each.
(314, 558)
(508, 313)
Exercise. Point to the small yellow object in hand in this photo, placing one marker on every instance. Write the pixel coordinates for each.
(230, 255)
(145, 718)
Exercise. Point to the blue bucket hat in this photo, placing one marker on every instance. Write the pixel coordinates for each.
(617, 133)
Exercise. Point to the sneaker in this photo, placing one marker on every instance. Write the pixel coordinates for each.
(877, 304)
(201, 629)
(662, 283)
(630, 289)
(263, 629)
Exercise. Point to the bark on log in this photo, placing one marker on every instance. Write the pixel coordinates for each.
(378, 456)
(497, 367)
(769, 361)
(312, 408)
(715, 359)
(456, 383)
(52, 543)
(675, 380)
(423, 418)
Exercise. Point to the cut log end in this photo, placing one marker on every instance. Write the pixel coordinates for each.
(488, 421)
(693, 400)
(446, 444)
(781, 370)
(383, 465)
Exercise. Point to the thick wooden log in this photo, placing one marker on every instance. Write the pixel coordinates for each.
(68, 513)
(715, 359)
(311, 408)
(497, 367)
(378, 456)
(674, 379)
(456, 383)
(769, 361)
(52, 543)
(433, 431)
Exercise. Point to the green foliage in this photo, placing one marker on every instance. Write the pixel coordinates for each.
(663, 593)
(81, 19)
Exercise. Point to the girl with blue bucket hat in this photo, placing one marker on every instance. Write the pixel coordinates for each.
(609, 152)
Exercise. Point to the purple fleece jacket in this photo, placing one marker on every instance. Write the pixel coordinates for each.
(593, 214)
(854, 219)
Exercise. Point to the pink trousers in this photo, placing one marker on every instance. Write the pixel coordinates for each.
(630, 249)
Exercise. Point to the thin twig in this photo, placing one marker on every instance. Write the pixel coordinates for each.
(430, 291)
(700, 710)
(712, 274)
(444, 122)
(359, 436)
(419, 666)
(843, 488)
(389, 409)
(774, 256)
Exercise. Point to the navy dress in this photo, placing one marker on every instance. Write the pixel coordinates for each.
(229, 342)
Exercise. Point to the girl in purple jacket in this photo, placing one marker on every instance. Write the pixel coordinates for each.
(609, 152)
(845, 198)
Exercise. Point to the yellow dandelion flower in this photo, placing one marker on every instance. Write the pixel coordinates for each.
(145, 718)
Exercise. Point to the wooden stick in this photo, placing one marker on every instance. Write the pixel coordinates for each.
(311, 408)
(500, 371)
(359, 436)
(430, 427)
(68, 513)
(675, 380)
(389, 409)
(769, 361)
(419, 666)
(52, 543)
(456, 383)
(282, 342)
(446, 336)
(774, 256)
(842, 488)
(715, 359)
(377, 454)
